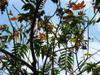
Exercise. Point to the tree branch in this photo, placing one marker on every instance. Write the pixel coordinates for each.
(32, 34)
(14, 57)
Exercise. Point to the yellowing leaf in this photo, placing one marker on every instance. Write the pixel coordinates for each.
(42, 36)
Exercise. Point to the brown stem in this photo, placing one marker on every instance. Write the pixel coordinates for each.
(31, 37)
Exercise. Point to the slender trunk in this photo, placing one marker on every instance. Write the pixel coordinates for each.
(31, 37)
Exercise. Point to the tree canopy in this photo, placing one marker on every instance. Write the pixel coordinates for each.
(33, 44)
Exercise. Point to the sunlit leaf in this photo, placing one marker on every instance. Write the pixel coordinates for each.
(42, 36)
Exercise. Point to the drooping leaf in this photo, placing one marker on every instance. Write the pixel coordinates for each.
(66, 60)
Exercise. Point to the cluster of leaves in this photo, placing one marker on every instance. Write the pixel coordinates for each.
(96, 4)
(3, 4)
(92, 67)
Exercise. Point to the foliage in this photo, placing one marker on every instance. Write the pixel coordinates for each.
(33, 41)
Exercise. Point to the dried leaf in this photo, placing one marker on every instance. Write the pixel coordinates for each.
(13, 18)
(78, 6)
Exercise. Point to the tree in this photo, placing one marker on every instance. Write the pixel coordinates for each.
(57, 45)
